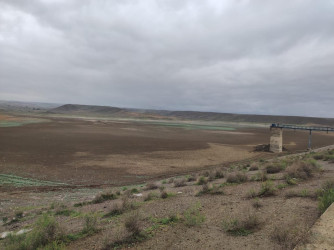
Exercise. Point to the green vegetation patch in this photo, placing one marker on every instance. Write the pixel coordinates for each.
(17, 181)
(192, 126)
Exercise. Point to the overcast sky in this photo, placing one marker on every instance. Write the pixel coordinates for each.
(261, 56)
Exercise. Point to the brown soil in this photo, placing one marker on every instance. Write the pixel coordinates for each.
(277, 212)
(92, 152)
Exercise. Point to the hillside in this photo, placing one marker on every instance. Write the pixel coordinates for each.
(73, 109)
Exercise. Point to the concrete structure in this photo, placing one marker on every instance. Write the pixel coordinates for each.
(321, 235)
(276, 139)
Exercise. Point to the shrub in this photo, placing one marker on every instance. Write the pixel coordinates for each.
(260, 176)
(219, 174)
(253, 168)
(134, 191)
(150, 196)
(237, 178)
(171, 180)
(45, 231)
(267, 189)
(164, 195)
(326, 199)
(256, 203)
(302, 169)
(243, 227)
(151, 186)
(202, 180)
(191, 178)
(180, 183)
(114, 211)
(104, 197)
(193, 217)
(288, 236)
(90, 224)
(132, 224)
(273, 169)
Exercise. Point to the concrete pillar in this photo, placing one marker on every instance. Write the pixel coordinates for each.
(276, 140)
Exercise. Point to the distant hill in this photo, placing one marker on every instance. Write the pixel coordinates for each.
(86, 110)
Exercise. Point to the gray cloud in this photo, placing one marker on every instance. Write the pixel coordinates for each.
(267, 57)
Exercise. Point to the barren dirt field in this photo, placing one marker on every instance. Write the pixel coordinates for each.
(75, 151)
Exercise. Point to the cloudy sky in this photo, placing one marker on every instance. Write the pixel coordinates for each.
(260, 56)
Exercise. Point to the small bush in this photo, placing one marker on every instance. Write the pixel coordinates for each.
(151, 186)
(114, 211)
(171, 180)
(134, 191)
(302, 169)
(326, 199)
(267, 189)
(90, 224)
(273, 169)
(237, 178)
(104, 197)
(164, 195)
(219, 174)
(202, 180)
(253, 168)
(302, 194)
(243, 227)
(288, 236)
(256, 203)
(132, 224)
(180, 183)
(45, 231)
(150, 196)
(193, 216)
(261, 176)
(191, 178)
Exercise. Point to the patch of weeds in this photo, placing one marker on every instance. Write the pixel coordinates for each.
(191, 178)
(274, 168)
(167, 220)
(302, 169)
(256, 203)
(253, 168)
(124, 188)
(252, 194)
(45, 232)
(81, 204)
(67, 212)
(260, 176)
(202, 180)
(267, 189)
(326, 197)
(303, 194)
(288, 236)
(134, 191)
(206, 189)
(150, 196)
(241, 227)
(237, 178)
(291, 181)
(180, 183)
(151, 186)
(171, 180)
(281, 186)
(104, 197)
(192, 216)
(219, 174)
(90, 224)
(115, 210)
(164, 182)
(19, 214)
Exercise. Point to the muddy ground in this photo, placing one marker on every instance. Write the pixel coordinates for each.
(76, 151)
